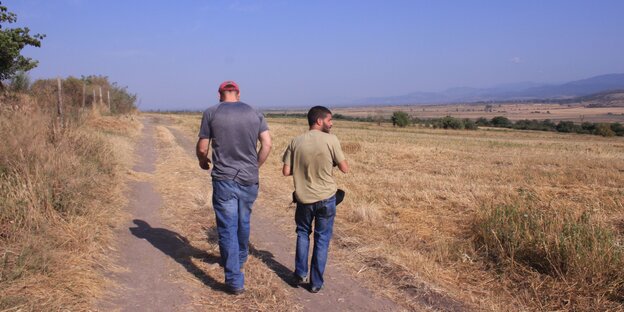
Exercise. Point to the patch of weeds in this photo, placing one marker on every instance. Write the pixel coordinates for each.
(571, 248)
(8, 302)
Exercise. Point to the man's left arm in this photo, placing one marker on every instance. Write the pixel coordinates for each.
(265, 147)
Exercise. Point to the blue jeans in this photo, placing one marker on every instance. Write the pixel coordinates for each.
(232, 203)
(322, 213)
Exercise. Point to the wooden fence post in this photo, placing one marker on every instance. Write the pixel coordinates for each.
(59, 104)
(84, 94)
(109, 104)
(101, 101)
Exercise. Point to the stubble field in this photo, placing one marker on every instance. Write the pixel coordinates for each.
(486, 219)
(576, 112)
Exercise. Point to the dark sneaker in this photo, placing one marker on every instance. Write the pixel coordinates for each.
(298, 279)
(235, 291)
(314, 290)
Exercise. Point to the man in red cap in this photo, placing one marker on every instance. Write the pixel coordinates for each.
(233, 129)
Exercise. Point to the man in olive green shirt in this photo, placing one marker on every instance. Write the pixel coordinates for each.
(310, 159)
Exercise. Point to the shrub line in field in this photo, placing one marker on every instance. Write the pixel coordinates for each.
(402, 119)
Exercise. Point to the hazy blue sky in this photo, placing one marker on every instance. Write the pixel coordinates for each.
(173, 54)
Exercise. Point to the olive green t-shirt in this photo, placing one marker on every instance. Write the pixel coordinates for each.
(311, 157)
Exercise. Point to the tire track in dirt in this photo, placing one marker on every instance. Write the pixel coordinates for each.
(276, 248)
(146, 283)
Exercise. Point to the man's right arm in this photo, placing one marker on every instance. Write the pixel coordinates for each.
(287, 161)
(286, 170)
(201, 151)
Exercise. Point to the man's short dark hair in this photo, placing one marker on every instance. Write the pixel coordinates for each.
(317, 112)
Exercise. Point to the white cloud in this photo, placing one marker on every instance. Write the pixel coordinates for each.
(516, 60)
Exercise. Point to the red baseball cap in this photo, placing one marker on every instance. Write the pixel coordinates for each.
(228, 86)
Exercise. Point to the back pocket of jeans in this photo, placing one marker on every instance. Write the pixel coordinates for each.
(328, 210)
(222, 192)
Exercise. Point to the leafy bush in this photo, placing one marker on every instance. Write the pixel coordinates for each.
(617, 128)
(543, 125)
(568, 127)
(482, 121)
(588, 127)
(549, 124)
(469, 124)
(448, 122)
(500, 121)
(20, 82)
(400, 119)
(604, 130)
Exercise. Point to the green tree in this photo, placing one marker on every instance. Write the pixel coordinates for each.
(12, 41)
(400, 119)
(617, 128)
(482, 121)
(567, 126)
(469, 124)
(501, 121)
(449, 122)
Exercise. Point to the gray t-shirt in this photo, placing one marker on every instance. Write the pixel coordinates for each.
(234, 128)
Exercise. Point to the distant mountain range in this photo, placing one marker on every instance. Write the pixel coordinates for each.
(507, 92)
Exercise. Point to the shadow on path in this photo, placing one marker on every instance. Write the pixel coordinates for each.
(179, 249)
(281, 270)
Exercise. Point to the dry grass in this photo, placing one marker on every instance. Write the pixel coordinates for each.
(570, 251)
(186, 193)
(59, 196)
(413, 196)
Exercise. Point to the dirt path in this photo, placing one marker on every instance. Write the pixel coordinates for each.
(161, 275)
(341, 292)
(145, 282)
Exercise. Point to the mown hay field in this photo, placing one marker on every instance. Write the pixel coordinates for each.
(497, 219)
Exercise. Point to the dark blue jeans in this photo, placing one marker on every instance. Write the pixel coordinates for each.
(322, 213)
(232, 203)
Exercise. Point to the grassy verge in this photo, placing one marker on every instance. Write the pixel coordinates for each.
(59, 197)
(578, 260)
